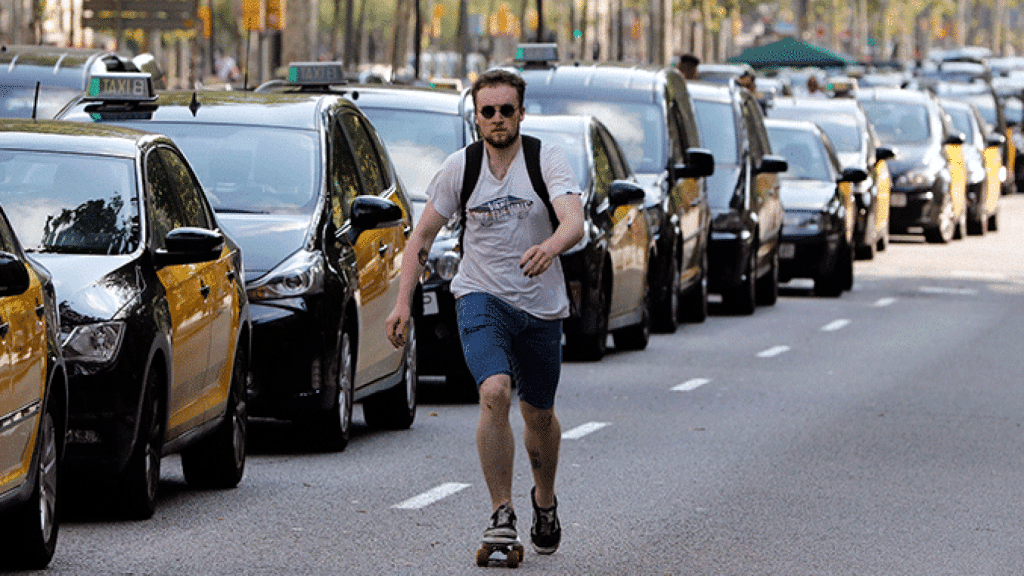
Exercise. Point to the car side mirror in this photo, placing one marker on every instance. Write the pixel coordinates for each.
(884, 153)
(14, 278)
(370, 213)
(773, 164)
(699, 163)
(854, 175)
(623, 192)
(187, 245)
(957, 138)
(995, 139)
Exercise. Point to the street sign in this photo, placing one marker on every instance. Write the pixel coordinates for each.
(144, 14)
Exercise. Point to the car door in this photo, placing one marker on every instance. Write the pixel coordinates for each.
(218, 286)
(22, 374)
(764, 200)
(689, 194)
(378, 255)
(187, 288)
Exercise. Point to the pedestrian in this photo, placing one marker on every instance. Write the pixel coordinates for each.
(746, 80)
(510, 291)
(814, 88)
(688, 66)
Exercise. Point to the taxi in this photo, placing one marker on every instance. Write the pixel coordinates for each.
(306, 187)
(33, 409)
(154, 322)
(983, 158)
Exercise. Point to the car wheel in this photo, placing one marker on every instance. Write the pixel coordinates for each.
(32, 528)
(846, 267)
(694, 305)
(218, 461)
(637, 336)
(978, 226)
(395, 409)
(942, 232)
(742, 299)
(768, 286)
(666, 309)
(331, 427)
(993, 222)
(866, 251)
(830, 284)
(141, 477)
(883, 240)
(591, 347)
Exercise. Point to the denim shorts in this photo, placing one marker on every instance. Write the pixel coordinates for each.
(498, 338)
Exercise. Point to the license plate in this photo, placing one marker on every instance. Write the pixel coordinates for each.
(787, 251)
(429, 303)
(898, 200)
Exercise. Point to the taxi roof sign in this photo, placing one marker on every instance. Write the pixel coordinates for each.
(537, 53)
(316, 73)
(121, 87)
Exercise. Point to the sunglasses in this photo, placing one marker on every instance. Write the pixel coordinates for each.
(507, 110)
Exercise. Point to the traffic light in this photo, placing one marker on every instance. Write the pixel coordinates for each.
(253, 17)
(275, 14)
(206, 18)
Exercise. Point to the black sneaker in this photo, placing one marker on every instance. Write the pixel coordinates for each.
(502, 529)
(546, 533)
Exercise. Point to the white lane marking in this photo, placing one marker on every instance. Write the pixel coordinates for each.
(431, 496)
(582, 430)
(978, 275)
(948, 291)
(883, 302)
(773, 351)
(690, 385)
(835, 325)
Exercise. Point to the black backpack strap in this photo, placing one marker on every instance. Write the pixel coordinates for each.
(531, 153)
(470, 176)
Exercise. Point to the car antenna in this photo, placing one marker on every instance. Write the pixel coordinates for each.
(194, 105)
(35, 102)
(248, 49)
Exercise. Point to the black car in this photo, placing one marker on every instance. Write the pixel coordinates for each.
(154, 320)
(606, 272)
(746, 215)
(649, 112)
(817, 237)
(983, 160)
(306, 187)
(993, 110)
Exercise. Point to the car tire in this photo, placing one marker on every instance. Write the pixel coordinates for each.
(978, 226)
(866, 251)
(993, 222)
(591, 347)
(742, 299)
(665, 317)
(637, 336)
(218, 461)
(883, 240)
(768, 286)
(694, 304)
(332, 426)
(32, 528)
(141, 477)
(833, 282)
(395, 408)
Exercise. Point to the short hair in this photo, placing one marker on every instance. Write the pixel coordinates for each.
(689, 59)
(499, 77)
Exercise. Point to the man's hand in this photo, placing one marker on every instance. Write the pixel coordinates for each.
(396, 326)
(536, 260)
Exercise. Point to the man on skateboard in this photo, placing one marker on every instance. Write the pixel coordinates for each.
(510, 292)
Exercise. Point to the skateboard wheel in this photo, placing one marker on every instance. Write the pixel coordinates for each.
(483, 556)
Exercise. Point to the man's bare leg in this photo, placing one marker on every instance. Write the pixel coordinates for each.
(494, 440)
(543, 438)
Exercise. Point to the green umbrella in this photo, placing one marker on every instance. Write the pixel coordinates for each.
(790, 52)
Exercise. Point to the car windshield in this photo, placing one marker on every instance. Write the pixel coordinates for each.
(70, 203)
(638, 128)
(897, 123)
(842, 129)
(250, 168)
(17, 101)
(574, 147)
(717, 133)
(418, 143)
(803, 151)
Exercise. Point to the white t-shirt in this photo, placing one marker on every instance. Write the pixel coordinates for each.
(504, 218)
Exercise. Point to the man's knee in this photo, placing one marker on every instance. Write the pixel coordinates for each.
(496, 392)
(537, 418)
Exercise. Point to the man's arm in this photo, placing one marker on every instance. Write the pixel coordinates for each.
(569, 209)
(418, 247)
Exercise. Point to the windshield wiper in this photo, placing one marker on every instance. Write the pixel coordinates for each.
(240, 211)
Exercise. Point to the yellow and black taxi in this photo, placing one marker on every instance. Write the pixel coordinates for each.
(817, 192)
(606, 272)
(983, 160)
(306, 187)
(154, 323)
(649, 112)
(746, 224)
(929, 179)
(33, 407)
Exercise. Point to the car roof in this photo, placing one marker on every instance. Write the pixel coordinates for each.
(228, 107)
(802, 125)
(65, 137)
(406, 98)
(557, 122)
(52, 66)
(892, 95)
(612, 81)
(709, 91)
(844, 104)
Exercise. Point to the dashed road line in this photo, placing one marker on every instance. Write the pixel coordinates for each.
(584, 429)
(835, 325)
(773, 351)
(947, 291)
(883, 302)
(692, 384)
(430, 496)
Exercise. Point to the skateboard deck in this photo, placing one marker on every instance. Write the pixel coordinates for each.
(512, 552)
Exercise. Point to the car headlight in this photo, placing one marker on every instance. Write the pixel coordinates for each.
(301, 274)
(804, 221)
(95, 344)
(447, 265)
(918, 177)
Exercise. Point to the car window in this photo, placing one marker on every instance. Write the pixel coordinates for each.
(7, 243)
(70, 203)
(344, 180)
(717, 130)
(371, 169)
(190, 196)
(759, 145)
(899, 123)
(676, 134)
(17, 102)
(961, 120)
(620, 170)
(602, 168)
(843, 129)
(804, 152)
(166, 209)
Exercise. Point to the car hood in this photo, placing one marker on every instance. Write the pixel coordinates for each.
(911, 157)
(91, 288)
(806, 194)
(265, 239)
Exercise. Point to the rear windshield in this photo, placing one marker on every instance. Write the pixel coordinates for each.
(897, 123)
(804, 152)
(842, 129)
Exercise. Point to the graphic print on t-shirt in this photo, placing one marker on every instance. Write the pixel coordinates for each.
(500, 210)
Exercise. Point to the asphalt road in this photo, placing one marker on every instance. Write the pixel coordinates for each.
(877, 433)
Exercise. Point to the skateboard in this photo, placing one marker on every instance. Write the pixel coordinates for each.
(512, 551)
